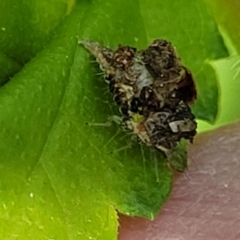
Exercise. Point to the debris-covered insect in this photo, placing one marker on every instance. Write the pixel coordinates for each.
(153, 90)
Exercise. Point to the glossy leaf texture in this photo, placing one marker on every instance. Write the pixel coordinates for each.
(61, 178)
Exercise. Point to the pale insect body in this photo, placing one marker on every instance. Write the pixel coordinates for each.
(153, 90)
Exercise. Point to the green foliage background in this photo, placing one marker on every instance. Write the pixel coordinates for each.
(61, 179)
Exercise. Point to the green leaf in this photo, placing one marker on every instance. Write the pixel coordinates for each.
(62, 179)
(227, 16)
(8, 68)
(26, 26)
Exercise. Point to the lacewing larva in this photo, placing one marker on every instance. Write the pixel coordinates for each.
(153, 90)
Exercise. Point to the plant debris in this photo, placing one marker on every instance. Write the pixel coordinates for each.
(153, 90)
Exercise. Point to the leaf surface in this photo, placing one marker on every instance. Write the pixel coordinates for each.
(62, 179)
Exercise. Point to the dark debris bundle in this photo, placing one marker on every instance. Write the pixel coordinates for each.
(153, 90)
